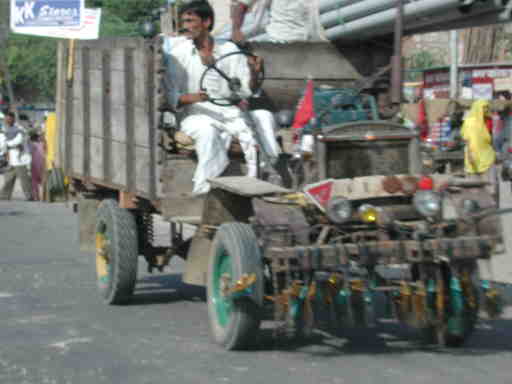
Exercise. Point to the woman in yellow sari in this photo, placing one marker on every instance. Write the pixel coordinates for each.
(479, 154)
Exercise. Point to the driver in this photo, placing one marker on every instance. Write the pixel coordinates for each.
(212, 126)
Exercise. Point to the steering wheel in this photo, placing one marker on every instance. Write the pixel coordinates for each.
(234, 83)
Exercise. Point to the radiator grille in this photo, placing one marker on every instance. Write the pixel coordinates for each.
(366, 158)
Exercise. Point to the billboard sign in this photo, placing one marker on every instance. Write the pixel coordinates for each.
(46, 13)
(88, 31)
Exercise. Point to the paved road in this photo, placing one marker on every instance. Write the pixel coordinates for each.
(54, 328)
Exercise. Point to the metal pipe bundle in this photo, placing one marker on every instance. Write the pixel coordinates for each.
(329, 5)
(356, 11)
(352, 20)
(446, 19)
(382, 22)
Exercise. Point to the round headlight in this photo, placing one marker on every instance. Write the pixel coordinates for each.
(339, 210)
(469, 206)
(427, 203)
(368, 213)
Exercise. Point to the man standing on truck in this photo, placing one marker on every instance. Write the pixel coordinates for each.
(212, 126)
(19, 159)
(290, 20)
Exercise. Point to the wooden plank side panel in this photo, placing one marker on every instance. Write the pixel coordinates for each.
(142, 166)
(118, 122)
(117, 62)
(97, 158)
(141, 97)
(77, 155)
(107, 122)
(130, 120)
(96, 87)
(86, 107)
(118, 164)
(77, 92)
(118, 95)
(141, 126)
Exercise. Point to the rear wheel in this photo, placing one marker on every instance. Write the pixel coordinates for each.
(234, 322)
(116, 252)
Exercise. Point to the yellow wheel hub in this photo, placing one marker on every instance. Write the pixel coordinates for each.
(102, 261)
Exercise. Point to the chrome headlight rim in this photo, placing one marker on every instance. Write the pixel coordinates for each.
(366, 208)
(427, 203)
(339, 210)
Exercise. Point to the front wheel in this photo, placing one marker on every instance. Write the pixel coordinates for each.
(234, 321)
(116, 252)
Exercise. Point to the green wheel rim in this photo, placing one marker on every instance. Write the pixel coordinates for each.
(223, 305)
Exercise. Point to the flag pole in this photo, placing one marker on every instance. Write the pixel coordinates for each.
(71, 59)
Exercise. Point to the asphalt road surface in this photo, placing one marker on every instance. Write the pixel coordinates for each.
(55, 329)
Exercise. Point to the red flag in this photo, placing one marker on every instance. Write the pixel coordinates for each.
(320, 192)
(305, 109)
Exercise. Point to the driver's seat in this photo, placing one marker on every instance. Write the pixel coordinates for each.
(185, 145)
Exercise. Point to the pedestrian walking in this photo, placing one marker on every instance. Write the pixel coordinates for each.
(479, 155)
(19, 159)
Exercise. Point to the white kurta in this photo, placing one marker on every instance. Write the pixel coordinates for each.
(17, 146)
(212, 126)
(289, 20)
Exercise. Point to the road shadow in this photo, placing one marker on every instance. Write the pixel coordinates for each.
(164, 289)
(387, 337)
(10, 213)
(390, 337)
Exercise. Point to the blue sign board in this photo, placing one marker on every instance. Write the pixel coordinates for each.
(46, 13)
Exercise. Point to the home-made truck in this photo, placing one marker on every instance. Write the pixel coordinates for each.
(356, 223)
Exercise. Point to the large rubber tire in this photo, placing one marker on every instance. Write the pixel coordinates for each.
(116, 266)
(234, 324)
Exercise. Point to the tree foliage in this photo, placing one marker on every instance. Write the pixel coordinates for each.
(31, 62)
(418, 62)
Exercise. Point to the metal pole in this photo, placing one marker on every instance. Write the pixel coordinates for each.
(454, 58)
(396, 59)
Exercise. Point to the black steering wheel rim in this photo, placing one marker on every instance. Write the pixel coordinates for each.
(228, 101)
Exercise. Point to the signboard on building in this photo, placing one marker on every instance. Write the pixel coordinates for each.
(478, 81)
(46, 13)
(88, 31)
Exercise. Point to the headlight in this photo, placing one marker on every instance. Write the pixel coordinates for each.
(469, 206)
(284, 118)
(368, 213)
(427, 203)
(339, 210)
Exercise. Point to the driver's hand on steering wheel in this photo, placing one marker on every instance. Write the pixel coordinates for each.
(192, 98)
(255, 64)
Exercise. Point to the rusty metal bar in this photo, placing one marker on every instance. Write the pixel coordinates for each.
(396, 59)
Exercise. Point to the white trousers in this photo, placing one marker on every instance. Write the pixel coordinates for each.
(213, 138)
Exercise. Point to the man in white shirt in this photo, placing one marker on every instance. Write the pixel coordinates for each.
(209, 125)
(290, 20)
(19, 158)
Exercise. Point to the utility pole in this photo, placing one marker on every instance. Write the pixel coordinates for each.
(396, 59)
(4, 33)
(454, 59)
